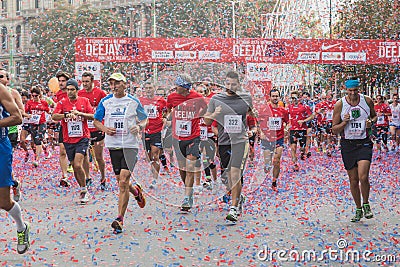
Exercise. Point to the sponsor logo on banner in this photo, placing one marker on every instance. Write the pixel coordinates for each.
(257, 71)
(389, 50)
(92, 67)
(209, 54)
(327, 47)
(160, 54)
(332, 56)
(358, 56)
(308, 56)
(185, 54)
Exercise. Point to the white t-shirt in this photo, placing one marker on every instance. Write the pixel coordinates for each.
(121, 114)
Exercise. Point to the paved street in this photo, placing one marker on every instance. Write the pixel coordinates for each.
(311, 212)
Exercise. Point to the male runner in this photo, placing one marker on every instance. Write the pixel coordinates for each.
(272, 120)
(74, 112)
(187, 106)
(156, 108)
(95, 95)
(124, 119)
(230, 109)
(10, 116)
(299, 115)
(352, 118)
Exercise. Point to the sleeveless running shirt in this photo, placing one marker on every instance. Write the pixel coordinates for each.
(356, 127)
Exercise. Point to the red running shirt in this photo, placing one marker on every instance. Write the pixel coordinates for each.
(154, 107)
(60, 95)
(74, 129)
(37, 108)
(296, 113)
(186, 114)
(271, 121)
(95, 96)
(382, 120)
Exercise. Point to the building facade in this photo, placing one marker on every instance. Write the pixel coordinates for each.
(15, 36)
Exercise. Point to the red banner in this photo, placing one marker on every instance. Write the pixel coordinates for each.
(243, 50)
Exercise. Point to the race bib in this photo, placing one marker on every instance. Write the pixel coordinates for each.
(151, 111)
(183, 128)
(90, 124)
(329, 115)
(203, 133)
(233, 123)
(274, 123)
(357, 128)
(34, 119)
(119, 123)
(75, 129)
(381, 120)
(48, 117)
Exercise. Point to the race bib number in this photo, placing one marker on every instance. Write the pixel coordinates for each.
(329, 115)
(357, 128)
(151, 111)
(75, 129)
(183, 128)
(203, 133)
(274, 124)
(90, 124)
(120, 125)
(34, 119)
(395, 117)
(233, 123)
(381, 120)
(48, 117)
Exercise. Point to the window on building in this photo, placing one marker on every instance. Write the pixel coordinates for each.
(18, 5)
(4, 6)
(4, 43)
(17, 69)
(36, 3)
(18, 37)
(71, 2)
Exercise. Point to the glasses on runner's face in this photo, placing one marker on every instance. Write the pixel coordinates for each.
(35, 95)
(2, 76)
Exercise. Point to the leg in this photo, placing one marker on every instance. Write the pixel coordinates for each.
(355, 186)
(123, 184)
(363, 174)
(277, 163)
(79, 172)
(99, 155)
(63, 160)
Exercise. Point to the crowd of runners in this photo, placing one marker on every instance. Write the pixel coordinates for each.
(208, 132)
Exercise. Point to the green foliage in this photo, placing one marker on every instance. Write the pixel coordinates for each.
(372, 19)
(54, 32)
(200, 18)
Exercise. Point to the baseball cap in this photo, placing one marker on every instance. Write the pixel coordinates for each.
(73, 82)
(117, 76)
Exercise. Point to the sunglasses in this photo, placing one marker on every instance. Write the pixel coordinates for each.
(35, 95)
(2, 76)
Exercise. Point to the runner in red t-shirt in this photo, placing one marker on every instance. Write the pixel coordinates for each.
(62, 77)
(37, 108)
(187, 107)
(208, 141)
(272, 120)
(95, 95)
(156, 109)
(299, 114)
(73, 112)
(382, 124)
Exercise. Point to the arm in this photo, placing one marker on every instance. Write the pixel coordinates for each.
(9, 104)
(373, 116)
(337, 123)
(18, 101)
(57, 115)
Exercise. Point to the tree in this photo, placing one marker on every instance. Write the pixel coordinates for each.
(199, 18)
(53, 34)
(372, 19)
